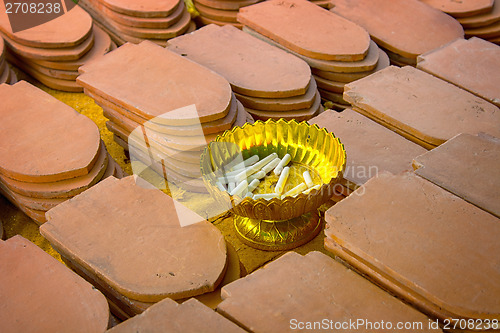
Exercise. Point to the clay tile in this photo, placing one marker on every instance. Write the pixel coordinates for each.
(383, 62)
(405, 27)
(473, 65)
(307, 29)
(228, 16)
(371, 148)
(102, 44)
(462, 8)
(298, 115)
(68, 30)
(369, 62)
(52, 54)
(169, 316)
(253, 67)
(466, 165)
(145, 8)
(489, 32)
(159, 81)
(40, 294)
(227, 4)
(143, 22)
(37, 130)
(298, 292)
(63, 188)
(423, 108)
(180, 26)
(423, 246)
(132, 238)
(482, 19)
(282, 104)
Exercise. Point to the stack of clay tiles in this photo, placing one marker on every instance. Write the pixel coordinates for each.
(220, 12)
(224, 12)
(422, 243)
(135, 21)
(473, 65)
(50, 152)
(40, 294)
(176, 105)
(7, 75)
(269, 82)
(404, 28)
(133, 244)
(371, 147)
(421, 107)
(337, 50)
(479, 18)
(52, 52)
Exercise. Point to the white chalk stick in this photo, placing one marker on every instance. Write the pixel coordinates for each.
(286, 159)
(248, 162)
(232, 173)
(307, 179)
(296, 190)
(249, 195)
(236, 160)
(238, 190)
(315, 187)
(227, 179)
(222, 180)
(253, 185)
(221, 187)
(280, 185)
(255, 168)
(271, 165)
(231, 186)
(267, 196)
(258, 175)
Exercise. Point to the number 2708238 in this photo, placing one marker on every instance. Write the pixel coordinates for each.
(33, 8)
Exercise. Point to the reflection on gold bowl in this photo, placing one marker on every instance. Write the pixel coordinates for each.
(279, 223)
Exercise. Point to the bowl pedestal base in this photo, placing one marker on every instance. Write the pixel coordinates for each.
(277, 235)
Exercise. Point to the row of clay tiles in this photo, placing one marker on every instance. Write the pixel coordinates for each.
(127, 21)
(54, 59)
(423, 246)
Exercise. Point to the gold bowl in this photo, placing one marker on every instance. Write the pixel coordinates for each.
(279, 223)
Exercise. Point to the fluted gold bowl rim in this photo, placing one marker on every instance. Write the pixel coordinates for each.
(307, 144)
